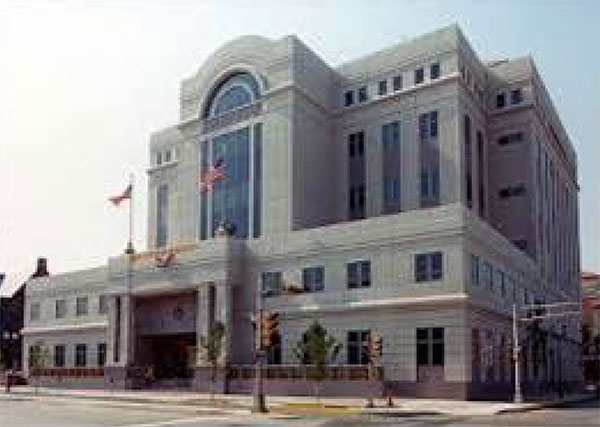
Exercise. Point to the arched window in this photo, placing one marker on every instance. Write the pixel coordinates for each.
(234, 97)
(236, 91)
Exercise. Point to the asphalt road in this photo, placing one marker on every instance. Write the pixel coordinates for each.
(26, 412)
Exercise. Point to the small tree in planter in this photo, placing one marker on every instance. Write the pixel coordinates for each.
(317, 348)
(213, 347)
(38, 359)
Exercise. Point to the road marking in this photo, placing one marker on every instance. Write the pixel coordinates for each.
(176, 421)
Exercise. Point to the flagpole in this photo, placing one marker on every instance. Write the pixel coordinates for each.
(130, 241)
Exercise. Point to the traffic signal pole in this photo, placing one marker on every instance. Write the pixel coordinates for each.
(259, 396)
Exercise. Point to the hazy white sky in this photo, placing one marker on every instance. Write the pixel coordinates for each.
(84, 83)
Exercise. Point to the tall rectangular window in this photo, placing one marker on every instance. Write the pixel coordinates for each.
(356, 176)
(348, 98)
(434, 71)
(59, 355)
(474, 270)
(429, 267)
(419, 76)
(101, 354)
(429, 158)
(397, 82)
(102, 304)
(382, 87)
(231, 196)
(81, 306)
(162, 205)
(481, 173)
(358, 274)
(34, 311)
(468, 161)
(356, 342)
(430, 346)
(516, 96)
(313, 279)
(117, 337)
(60, 308)
(271, 282)
(256, 229)
(390, 138)
(204, 165)
(80, 355)
(362, 94)
(500, 100)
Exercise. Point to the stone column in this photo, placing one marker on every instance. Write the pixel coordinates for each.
(224, 314)
(203, 320)
(112, 326)
(127, 330)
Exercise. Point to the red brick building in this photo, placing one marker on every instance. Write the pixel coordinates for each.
(590, 323)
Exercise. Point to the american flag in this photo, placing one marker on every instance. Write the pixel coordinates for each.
(214, 173)
(116, 200)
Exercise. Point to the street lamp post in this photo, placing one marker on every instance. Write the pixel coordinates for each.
(518, 397)
(259, 396)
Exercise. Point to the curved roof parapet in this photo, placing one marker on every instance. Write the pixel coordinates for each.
(245, 54)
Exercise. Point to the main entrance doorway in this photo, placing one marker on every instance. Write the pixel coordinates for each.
(169, 357)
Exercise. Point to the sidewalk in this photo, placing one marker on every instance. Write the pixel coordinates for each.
(290, 405)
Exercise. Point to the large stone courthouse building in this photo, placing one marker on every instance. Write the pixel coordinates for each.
(416, 193)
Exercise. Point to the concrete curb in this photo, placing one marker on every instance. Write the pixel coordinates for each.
(543, 405)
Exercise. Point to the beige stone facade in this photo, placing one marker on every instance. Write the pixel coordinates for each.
(447, 238)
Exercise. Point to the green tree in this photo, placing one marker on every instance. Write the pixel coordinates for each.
(317, 348)
(38, 359)
(212, 345)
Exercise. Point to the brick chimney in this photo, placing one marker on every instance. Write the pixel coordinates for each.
(42, 268)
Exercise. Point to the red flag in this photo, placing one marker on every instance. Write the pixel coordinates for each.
(116, 200)
(214, 173)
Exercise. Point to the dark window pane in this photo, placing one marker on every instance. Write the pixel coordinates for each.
(433, 124)
(352, 273)
(435, 71)
(516, 96)
(397, 83)
(365, 274)
(382, 87)
(437, 354)
(422, 334)
(436, 266)
(419, 76)
(362, 94)
(500, 100)
(422, 354)
(423, 128)
(437, 333)
(349, 98)
(351, 150)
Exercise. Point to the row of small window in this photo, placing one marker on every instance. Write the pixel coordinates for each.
(429, 347)
(428, 267)
(483, 273)
(390, 134)
(382, 86)
(512, 191)
(516, 97)
(165, 156)
(59, 355)
(60, 307)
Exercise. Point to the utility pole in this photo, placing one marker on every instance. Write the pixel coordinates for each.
(518, 397)
(259, 396)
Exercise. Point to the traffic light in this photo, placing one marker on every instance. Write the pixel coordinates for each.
(269, 328)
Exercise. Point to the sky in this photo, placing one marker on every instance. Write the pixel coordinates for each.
(83, 84)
